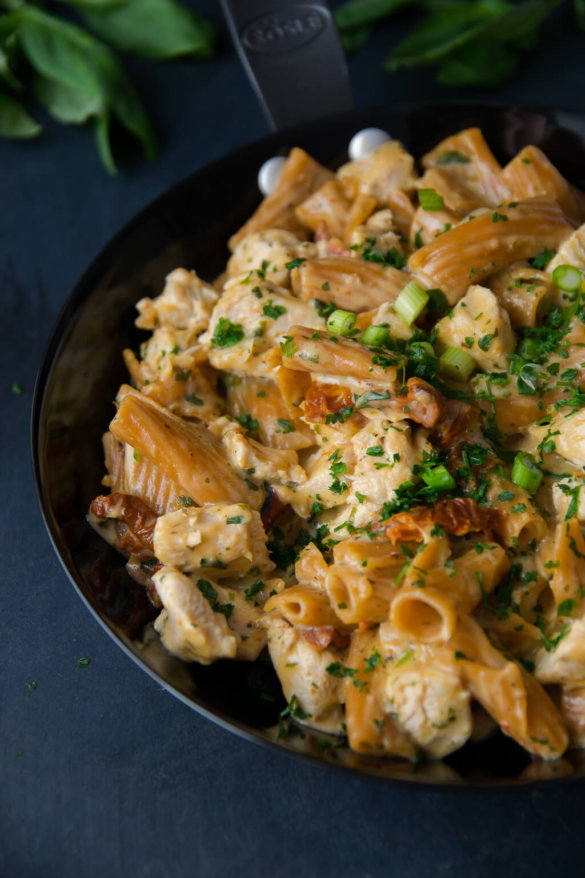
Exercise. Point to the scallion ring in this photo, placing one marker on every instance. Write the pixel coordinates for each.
(457, 364)
(411, 302)
(341, 322)
(374, 336)
(430, 199)
(526, 472)
(568, 278)
(439, 478)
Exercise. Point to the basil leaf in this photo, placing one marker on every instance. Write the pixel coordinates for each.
(478, 63)
(445, 29)
(64, 53)
(360, 12)
(65, 104)
(15, 122)
(149, 28)
(6, 74)
(352, 40)
(579, 9)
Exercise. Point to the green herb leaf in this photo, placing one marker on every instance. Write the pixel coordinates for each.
(66, 54)
(150, 28)
(15, 122)
(360, 12)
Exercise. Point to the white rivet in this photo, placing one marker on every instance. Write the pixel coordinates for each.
(269, 174)
(365, 141)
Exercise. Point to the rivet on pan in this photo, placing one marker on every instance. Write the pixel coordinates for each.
(269, 174)
(365, 141)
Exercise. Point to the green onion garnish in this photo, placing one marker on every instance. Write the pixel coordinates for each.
(457, 364)
(429, 199)
(529, 349)
(411, 302)
(419, 349)
(375, 335)
(568, 278)
(341, 322)
(439, 478)
(526, 472)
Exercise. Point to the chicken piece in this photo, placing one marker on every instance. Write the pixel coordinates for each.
(430, 704)
(249, 319)
(268, 252)
(188, 626)
(386, 168)
(259, 463)
(228, 538)
(481, 326)
(184, 304)
(302, 671)
(385, 452)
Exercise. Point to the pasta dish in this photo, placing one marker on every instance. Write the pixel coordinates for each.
(362, 448)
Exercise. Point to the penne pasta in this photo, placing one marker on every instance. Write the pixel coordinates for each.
(363, 446)
(478, 248)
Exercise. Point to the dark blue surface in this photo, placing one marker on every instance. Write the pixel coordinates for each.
(102, 773)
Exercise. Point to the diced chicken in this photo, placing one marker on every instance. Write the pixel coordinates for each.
(302, 671)
(268, 252)
(386, 168)
(228, 538)
(188, 626)
(185, 305)
(431, 705)
(481, 326)
(254, 316)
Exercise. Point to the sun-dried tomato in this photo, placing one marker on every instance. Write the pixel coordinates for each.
(325, 636)
(457, 418)
(457, 517)
(132, 512)
(423, 403)
(326, 399)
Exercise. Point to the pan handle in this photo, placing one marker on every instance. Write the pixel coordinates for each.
(293, 56)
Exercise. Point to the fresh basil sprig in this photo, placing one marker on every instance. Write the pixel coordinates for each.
(76, 76)
(470, 42)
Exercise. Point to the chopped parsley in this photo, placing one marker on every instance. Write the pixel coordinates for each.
(286, 425)
(273, 311)
(250, 424)
(288, 346)
(212, 597)
(183, 500)
(227, 334)
(295, 263)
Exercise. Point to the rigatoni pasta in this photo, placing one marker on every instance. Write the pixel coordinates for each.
(362, 450)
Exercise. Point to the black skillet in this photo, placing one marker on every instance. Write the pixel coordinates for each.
(295, 60)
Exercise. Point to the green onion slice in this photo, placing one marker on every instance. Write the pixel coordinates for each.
(421, 349)
(439, 478)
(430, 199)
(457, 364)
(375, 335)
(568, 278)
(411, 302)
(526, 472)
(341, 322)
(529, 349)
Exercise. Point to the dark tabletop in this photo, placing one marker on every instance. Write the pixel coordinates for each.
(104, 773)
